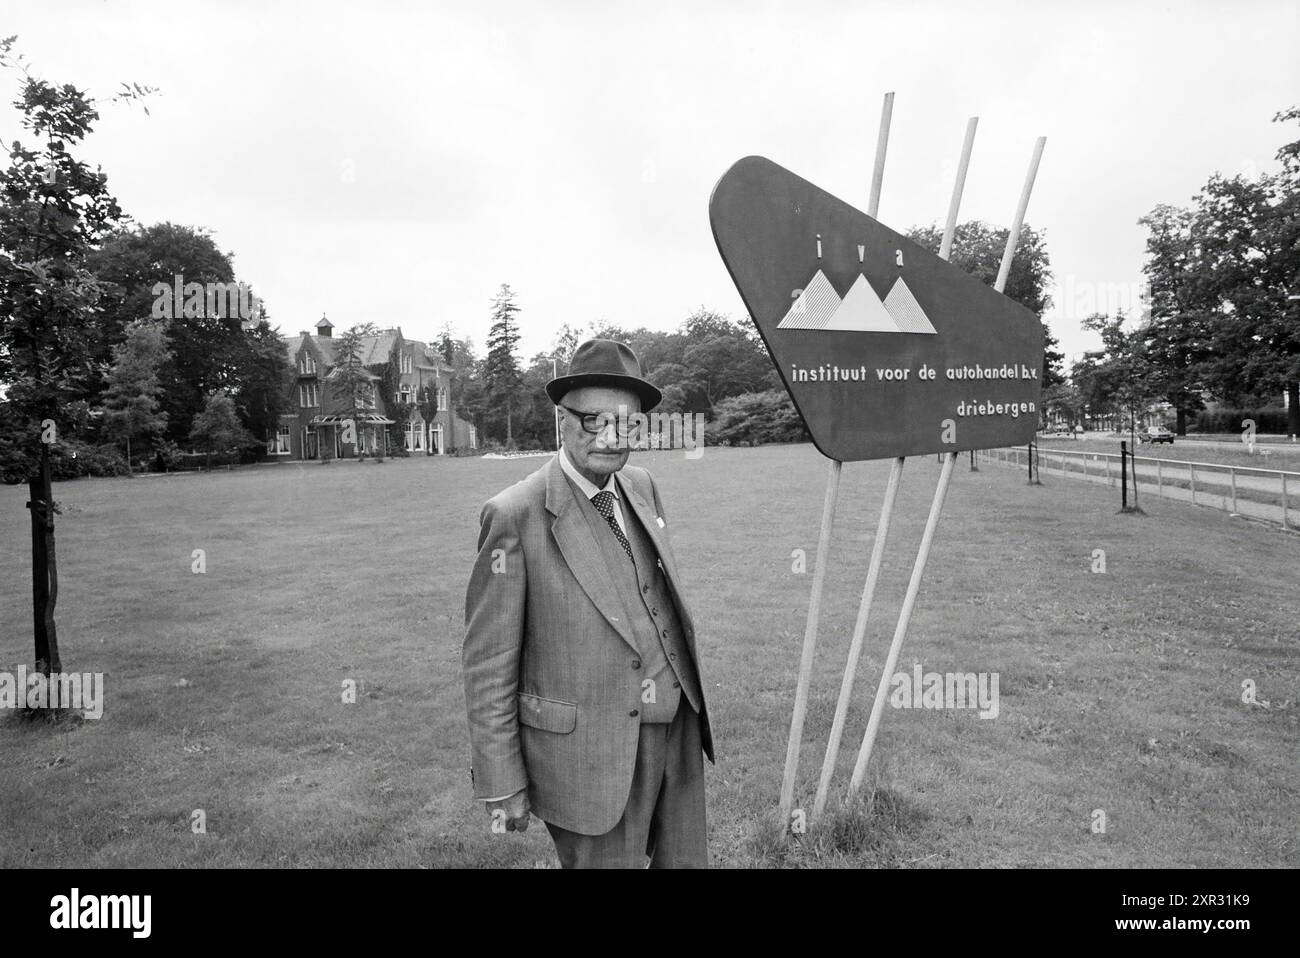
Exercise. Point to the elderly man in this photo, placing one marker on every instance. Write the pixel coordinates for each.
(582, 681)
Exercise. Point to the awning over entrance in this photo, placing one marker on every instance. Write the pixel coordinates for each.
(365, 418)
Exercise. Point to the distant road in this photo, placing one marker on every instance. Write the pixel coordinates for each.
(1180, 441)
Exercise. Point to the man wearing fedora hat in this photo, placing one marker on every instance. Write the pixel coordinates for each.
(582, 682)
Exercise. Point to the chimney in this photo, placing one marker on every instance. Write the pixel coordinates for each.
(325, 328)
(304, 333)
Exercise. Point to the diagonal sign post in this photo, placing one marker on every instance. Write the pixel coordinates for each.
(824, 536)
(882, 528)
(940, 492)
(886, 349)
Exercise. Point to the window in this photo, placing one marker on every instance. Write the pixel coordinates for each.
(406, 393)
(307, 395)
(282, 446)
(442, 397)
(407, 363)
(306, 364)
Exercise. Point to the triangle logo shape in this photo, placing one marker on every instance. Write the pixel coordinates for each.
(906, 311)
(862, 311)
(813, 307)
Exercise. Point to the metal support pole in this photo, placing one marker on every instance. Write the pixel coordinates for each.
(904, 618)
(1123, 474)
(809, 641)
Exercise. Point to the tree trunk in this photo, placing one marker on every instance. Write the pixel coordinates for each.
(44, 577)
(40, 573)
(51, 563)
(1293, 408)
(130, 471)
(1180, 427)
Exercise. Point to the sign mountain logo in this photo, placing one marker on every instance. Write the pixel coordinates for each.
(818, 306)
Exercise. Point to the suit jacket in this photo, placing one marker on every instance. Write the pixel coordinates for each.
(544, 624)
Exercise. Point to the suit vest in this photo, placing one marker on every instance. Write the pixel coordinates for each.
(666, 668)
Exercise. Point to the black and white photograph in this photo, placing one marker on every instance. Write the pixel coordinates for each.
(747, 436)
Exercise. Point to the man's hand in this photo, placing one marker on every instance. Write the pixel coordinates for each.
(513, 812)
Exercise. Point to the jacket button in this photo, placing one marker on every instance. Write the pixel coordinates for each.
(645, 588)
(654, 611)
(665, 633)
(634, 713)
(672, 655)
(636, 663)
(677, 685)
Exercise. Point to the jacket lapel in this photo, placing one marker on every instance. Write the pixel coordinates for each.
(582, 552)
(649, 522)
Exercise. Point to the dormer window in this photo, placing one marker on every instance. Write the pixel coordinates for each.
(306, 364)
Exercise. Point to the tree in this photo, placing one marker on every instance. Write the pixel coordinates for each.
(351, 384)
(501, 376)
(567, 341)
(53, 210)
(1222, 273)
(1121, 378)
(1179, 326)
(264, 380)
(217, 428)
(131, 399)
(1249, 236)
(213, 345)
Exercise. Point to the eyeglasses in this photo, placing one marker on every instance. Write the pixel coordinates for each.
(597, 422)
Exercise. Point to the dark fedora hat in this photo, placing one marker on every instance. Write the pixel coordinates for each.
(603, 362)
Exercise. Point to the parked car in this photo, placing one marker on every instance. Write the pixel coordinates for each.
(1156, 434)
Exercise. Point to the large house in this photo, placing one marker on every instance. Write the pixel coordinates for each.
(421, 400)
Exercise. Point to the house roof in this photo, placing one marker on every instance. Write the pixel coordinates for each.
(321, 346)
(375, 350)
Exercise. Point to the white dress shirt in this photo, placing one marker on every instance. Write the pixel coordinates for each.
(589, 489)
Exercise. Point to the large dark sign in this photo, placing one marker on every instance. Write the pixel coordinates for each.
(886, 349)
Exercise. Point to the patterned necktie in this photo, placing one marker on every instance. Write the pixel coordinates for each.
(604, 503)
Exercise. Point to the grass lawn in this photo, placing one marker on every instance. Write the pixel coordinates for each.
(1118, 691)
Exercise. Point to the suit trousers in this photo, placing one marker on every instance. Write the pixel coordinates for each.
(664, 820)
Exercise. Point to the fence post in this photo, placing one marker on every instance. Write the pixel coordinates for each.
(1106, 463)
(1191, 471)
(1160, 484)
(1232, 479)
(1284, 522)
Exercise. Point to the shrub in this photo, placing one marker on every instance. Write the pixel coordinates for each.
(167, 456)
(1271, 419)
(752, 419)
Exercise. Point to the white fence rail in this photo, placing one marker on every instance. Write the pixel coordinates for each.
(1259, 493)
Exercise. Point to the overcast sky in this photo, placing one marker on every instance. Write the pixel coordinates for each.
(396, 163)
